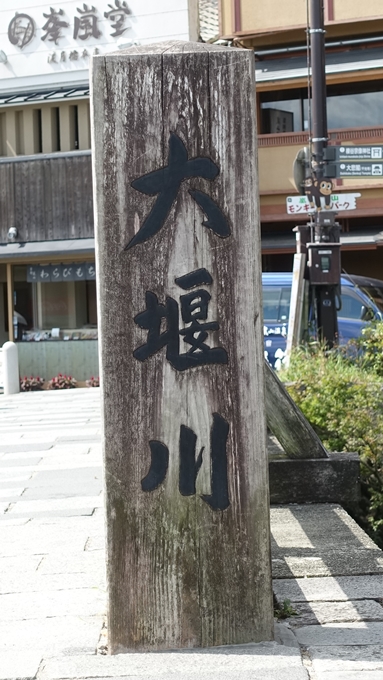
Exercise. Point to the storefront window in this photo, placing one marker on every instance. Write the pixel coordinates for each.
(349, 105)
(53, 310)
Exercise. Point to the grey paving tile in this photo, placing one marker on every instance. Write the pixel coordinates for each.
(334, 634)
(19, 665)
(330, 588)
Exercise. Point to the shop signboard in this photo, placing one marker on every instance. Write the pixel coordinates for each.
(84, 271)
(51, 42)
(300, 205)
(179, 271)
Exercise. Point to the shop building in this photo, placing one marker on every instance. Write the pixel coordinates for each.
(47, 261)
(354, 71)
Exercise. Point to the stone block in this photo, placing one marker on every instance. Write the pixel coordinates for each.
(335, 634)
(322, 480)
(329, 588)
(311, 613)
(346, 658)
(74, 602)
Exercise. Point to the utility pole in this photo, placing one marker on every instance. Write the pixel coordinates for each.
(318, 241)
(324, 249)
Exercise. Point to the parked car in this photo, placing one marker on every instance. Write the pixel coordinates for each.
(361, 298)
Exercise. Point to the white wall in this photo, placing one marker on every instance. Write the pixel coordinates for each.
(42, 63)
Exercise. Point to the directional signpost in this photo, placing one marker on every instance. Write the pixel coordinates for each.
(362, 153)
(355, 161)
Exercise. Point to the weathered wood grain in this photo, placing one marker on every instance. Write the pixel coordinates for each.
(287, 422)
(47, 197)
(181, 574)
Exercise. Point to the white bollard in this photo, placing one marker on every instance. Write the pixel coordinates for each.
(11, 368)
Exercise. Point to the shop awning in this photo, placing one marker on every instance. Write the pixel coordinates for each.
(57, 94)
(290, 68)
(285, 242)
(46, 249)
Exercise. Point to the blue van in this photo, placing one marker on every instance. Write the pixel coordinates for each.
(361, 297)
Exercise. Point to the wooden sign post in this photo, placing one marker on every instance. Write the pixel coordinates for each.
(178, 258)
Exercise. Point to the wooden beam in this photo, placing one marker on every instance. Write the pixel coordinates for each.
(184, 434)
(287, 422)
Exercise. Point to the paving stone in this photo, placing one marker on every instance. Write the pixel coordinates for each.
(29, 541)
(346, 658)
(95, 543)
(10, 494)
(93, 436)
(329, 588)
(20, 463)
(280, 671)
(36, 581)
(25, 447)
(19, 664)
(51, 637)
(65, 490)
(55, 505)
(311, 613)
(62, 563)
(350, 675)
(316, 526)
(77, 602)
(266, 661)
(339, 562)
(6, 522)
(8, 477)
(334, 634)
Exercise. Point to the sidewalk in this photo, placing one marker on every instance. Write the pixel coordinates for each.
(52, 587)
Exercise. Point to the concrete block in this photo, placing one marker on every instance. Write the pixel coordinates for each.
(340, 562)
(350, 675)
(329, 588)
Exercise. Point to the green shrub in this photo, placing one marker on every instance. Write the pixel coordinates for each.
(343, 401)
(369, 348)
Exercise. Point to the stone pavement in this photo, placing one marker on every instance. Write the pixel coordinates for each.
(52, 586)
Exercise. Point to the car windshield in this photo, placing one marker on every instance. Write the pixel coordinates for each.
(376, 295)
(276, 304)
